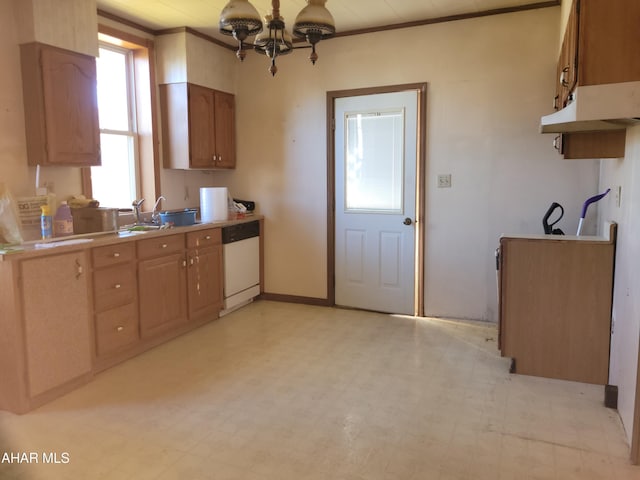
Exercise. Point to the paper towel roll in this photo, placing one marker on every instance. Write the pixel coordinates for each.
(213, 204)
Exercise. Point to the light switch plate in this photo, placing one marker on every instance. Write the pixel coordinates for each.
(444, 180)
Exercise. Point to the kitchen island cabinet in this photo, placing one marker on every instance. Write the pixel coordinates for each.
(555, 297)
(45, 347)
(198, 127)
(61, 107)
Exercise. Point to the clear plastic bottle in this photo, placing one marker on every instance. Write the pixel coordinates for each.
(46, 222)
(63, 221)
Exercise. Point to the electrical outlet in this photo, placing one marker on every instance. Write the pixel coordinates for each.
(444, 180)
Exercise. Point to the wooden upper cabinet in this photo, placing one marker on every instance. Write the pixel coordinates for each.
(201, 134)
(198, 127)
(225, 133)
(61, 108)
(599, 47)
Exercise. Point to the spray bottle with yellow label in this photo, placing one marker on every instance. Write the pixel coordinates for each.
(46, 222)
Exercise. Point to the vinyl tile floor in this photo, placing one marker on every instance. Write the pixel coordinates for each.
(278, 391)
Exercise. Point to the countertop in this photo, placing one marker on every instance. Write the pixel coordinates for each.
(609, 230)
(41, 248)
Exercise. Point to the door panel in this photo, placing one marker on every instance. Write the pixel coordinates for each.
(355, 256)
(375, 190)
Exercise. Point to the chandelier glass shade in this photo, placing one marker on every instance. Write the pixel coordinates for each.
(241, 20)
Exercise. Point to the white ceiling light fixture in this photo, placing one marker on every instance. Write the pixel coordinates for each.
(241, 20)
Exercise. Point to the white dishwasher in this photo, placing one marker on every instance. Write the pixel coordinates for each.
(241, 253)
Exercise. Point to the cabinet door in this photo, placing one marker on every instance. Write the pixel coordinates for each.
(585, 145)
(608, 36)
(201, 127)
(55, 297)
(70, 108)
(161, 293)
(205, 281)
(225, 130)
(568, 62)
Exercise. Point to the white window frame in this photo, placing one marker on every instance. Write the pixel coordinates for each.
(131, 133)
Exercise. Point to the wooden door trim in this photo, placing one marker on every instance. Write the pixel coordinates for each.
(421, 89)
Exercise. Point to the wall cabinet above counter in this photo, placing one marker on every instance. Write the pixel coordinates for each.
(60, 106)
(597, 80)
(198, 127)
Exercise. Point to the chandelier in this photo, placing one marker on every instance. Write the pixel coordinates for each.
(241, 20)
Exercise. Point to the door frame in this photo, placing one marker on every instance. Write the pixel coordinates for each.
(421, 89)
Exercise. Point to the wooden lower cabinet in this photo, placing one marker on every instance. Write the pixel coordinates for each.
(162, 280)
(204, 277)
(115, 298)
(555, 306)
(56, 320)
(68, 315)
(45, 346)
(116, 329)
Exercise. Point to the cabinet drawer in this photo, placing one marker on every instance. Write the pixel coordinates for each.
(204, 238)
(112, 254)
(155, 247)
(116, 328)
(113, 286)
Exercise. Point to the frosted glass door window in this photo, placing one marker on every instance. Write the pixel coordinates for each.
(374, 161)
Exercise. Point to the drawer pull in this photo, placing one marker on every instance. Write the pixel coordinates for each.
(164, 245)
(117, 286)
(119, 328)
(116, 254)
(208, 237)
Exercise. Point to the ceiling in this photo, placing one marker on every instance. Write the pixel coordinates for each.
(349, 15)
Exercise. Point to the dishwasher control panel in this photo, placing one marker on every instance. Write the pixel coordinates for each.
(240, 231)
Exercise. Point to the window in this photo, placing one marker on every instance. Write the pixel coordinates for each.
(126, 103)
(115, 183)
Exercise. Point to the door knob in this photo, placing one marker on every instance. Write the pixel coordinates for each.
(407, 221)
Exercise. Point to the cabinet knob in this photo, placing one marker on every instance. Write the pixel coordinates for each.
(215, 158)
(119, 328)
(220, 158)
(117, 286)
(164, 245)
(207, 237)
(116, 254)
(184, 263)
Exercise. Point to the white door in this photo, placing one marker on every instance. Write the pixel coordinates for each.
(375, 201)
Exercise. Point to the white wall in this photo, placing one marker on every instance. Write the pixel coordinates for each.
(626, 299)
(490, 80)
(24, 21)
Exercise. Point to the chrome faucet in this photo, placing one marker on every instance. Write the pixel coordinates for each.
(136, 209)
(155, 215)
